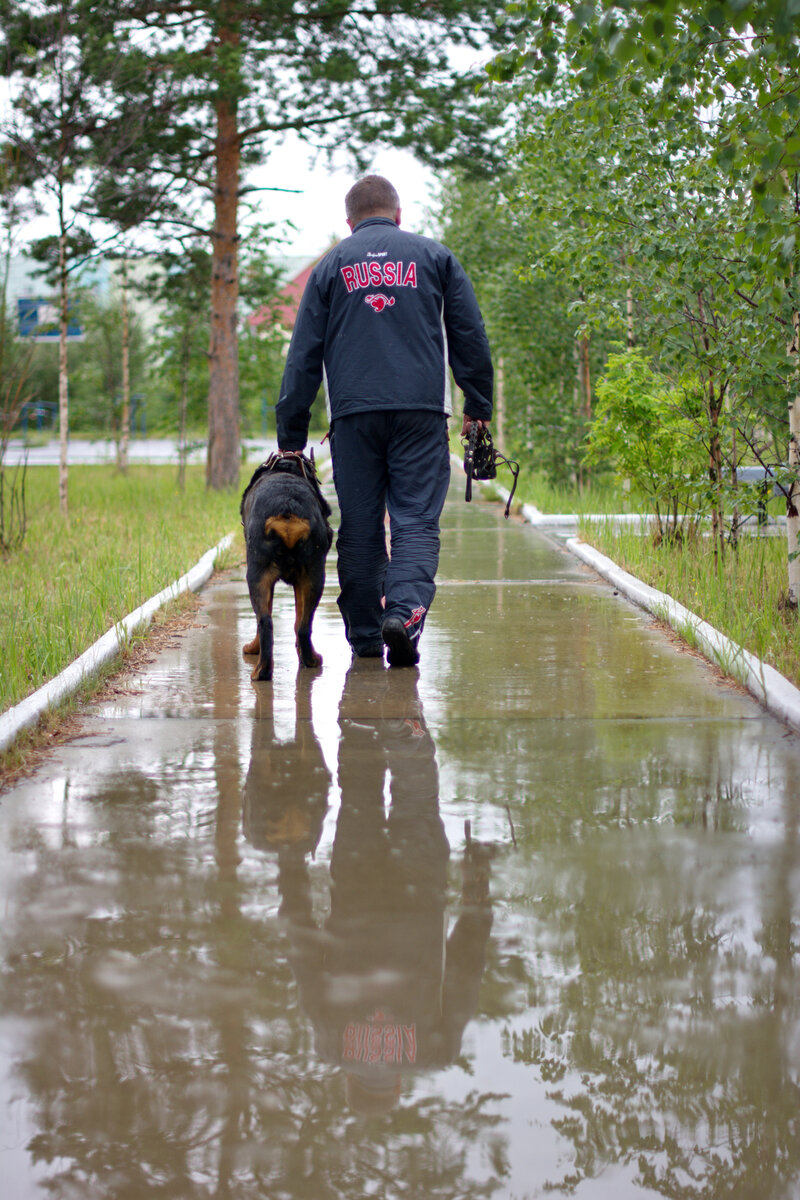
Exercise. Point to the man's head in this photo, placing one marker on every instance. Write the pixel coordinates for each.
(372, 196)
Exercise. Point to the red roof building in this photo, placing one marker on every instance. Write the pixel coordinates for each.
(283, 310)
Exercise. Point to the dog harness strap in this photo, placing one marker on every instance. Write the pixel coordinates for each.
(283, 460)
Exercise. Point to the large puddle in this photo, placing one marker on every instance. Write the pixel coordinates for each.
(522, 922)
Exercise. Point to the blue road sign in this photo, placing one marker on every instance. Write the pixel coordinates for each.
(38, 319)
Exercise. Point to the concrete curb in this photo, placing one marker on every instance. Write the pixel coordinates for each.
(768, 686)
(29, 710)
(534, 517)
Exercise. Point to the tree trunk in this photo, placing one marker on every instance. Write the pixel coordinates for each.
(793, 495)
(500, 406)
(122, 458)
(586, 381)
(793, 503)
(715, 475)
(184, 383)
(715, 399)
(222, 466)
(631, 340)
(576, 403)
(735, 515)
(63, 374)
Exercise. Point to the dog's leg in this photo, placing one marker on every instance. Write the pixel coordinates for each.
(262, 591)
(252, 585)
(307, 593)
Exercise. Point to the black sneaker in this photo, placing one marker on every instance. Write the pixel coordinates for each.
(402, 651)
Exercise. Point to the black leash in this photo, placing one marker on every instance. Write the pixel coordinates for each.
(480, 461)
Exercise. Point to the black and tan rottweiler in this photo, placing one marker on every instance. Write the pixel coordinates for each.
(286, 529)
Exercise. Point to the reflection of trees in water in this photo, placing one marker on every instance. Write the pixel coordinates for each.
(647, 973)
(667, 1002)
(163, 1052)
(694, 1124)
(563, 779)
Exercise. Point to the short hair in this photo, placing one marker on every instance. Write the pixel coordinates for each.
(369, 197)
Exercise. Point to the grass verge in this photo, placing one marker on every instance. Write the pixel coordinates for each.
(600, 497)
(61, 723)
(126, 538)
(744, 597)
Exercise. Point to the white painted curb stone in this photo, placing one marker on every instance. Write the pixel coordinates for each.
(29, 710)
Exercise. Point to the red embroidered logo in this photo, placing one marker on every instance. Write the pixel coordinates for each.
(378, 301)
(417, 729)
(379, 1039)
(415, 617)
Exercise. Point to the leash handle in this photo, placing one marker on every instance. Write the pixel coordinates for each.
(487, 468)
(469, 457)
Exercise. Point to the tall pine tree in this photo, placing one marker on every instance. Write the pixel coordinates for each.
(227, 80)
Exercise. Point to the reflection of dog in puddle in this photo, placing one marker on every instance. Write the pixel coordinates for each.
(285, 519)
(286, 790)
(387, 986)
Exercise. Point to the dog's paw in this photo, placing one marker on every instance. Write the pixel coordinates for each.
(261, 673)
(251, 647)
(310, 659)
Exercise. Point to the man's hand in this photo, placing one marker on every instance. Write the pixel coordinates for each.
(472, 421)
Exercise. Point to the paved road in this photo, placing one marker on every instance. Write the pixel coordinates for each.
(141, 450)
(522, 920)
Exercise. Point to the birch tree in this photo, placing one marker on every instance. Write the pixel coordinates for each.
(71, 126)
(15, 363)
(726, 72)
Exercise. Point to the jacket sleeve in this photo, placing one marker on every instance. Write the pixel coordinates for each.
(467, 343)
(302, 374)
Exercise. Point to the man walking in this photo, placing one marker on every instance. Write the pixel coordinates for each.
(381, 317)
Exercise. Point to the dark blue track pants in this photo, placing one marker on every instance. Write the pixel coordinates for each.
(396, 460)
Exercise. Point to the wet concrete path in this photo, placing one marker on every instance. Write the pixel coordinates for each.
(523, 921)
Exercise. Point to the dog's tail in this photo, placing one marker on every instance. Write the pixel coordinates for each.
(290, 528)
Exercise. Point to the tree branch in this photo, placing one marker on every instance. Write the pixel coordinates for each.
(302, 123)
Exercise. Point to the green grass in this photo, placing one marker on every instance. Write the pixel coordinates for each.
(744, 598)
(126, 538)
(602, 495)
(599, 496)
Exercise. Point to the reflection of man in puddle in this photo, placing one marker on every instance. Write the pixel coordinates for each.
(385, 988)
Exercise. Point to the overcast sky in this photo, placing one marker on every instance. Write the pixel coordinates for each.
(316, 208)
(318, 211)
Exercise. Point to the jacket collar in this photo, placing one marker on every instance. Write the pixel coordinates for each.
(375, 221)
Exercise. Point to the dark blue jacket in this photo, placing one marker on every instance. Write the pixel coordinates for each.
(382, 315)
